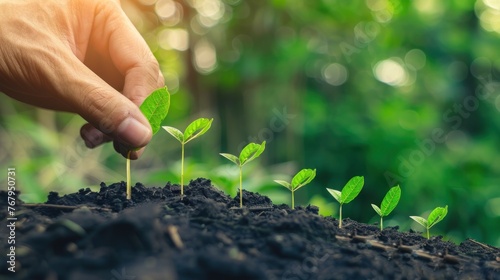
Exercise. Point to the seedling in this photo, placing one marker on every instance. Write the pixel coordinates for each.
(389, 202)
(249, 153)
(436, 216)
(155, 109)
(349, 192)
(304, 177)
(195, 129)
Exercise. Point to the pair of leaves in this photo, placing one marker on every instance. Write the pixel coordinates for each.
(302, 178)
(195, 129)
(436, 216)
(350, 190)
(389, 202)
(249, 153)
(155, 108)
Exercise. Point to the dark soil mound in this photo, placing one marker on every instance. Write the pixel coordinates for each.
(206, 236)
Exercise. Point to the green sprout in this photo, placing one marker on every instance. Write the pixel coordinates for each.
(249, 153)
(389, 202)
(195, 129)
(155, 109)
(302, 178)
(349, 192)
(436, 216)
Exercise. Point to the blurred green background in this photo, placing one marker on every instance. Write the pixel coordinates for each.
(401, 92)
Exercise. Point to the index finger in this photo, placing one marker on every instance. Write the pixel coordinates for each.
(131, 56)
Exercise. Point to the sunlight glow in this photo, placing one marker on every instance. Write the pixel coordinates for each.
(490, 20)
(391, 72)
(488, 12)
(165, 8)
(429, 7)
(176, 38)
(205, 57)
(494, 4)
(210, 12)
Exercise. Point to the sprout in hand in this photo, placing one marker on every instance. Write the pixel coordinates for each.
(155, 109)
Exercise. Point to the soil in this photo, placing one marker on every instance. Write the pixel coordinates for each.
(101, 235)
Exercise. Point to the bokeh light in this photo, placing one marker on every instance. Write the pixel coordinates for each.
(335, 74)
(205, 56)
(416, 59)
(391, 71)
(175, 38)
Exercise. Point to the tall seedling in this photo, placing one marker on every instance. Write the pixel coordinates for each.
(302, 178)
(195, 129)
(389, 202)
(155, 109)
(436, 216)
(349, 192)
(249, 153)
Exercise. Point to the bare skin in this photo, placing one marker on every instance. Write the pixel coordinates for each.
(80, 56)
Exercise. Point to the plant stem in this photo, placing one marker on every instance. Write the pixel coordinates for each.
(241, 187)
(182, 171)
(340, 216)
(381, 223)
(129, 188)
(293, 201)
(427, 233)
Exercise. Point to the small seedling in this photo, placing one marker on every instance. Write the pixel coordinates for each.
(304, 177)
(155, 109)
(249, 153)
(436, 216)
(390, 201)
(195, 129)
(349, 192)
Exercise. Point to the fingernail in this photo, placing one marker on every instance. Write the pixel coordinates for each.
(133, 133)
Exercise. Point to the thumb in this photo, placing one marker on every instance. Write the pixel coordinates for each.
(110, 112)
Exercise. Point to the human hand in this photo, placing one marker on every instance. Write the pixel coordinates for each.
(80, 56)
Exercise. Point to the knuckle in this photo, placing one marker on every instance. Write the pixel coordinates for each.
(152, 73)
(105, 109)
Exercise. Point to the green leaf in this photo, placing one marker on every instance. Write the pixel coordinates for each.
(390, 201)
(336, 194)
(420, 220)
(232, 158)
(197, 128)
(437, 215)
(302, 178)
(352, 189)
(284, 184)
(251, 151)
(155, 107)
(174, 132)
(379, 212)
